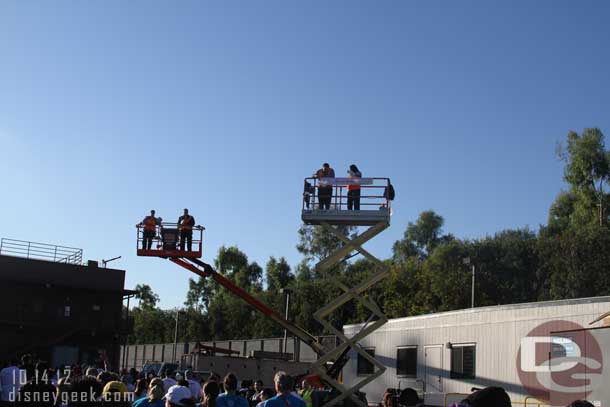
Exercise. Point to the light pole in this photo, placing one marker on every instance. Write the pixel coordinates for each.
(467, 262)
(105, 262)
(286, 292)
(176, 336)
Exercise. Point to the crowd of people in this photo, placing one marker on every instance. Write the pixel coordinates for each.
(28, 384)
(37, 385)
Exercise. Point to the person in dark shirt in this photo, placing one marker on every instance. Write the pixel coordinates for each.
(325, 186)
(185, 225)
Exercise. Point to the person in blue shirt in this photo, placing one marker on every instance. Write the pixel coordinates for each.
(230, 398)
(154, 397)
(285, 397)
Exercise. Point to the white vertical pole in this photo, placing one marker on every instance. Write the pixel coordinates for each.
(472, 295)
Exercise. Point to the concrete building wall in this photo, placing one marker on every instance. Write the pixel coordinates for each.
(496, 333)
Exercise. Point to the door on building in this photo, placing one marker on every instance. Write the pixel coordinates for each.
(434, 368)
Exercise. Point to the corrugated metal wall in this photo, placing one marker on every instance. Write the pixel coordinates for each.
(137, 355)
(496, 332)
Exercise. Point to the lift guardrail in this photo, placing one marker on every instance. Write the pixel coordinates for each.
(166, 241)
(373, 192)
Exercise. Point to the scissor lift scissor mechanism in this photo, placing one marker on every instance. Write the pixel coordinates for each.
(376, 216)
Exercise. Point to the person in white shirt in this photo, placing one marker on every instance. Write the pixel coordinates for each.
(168, 381)
(194, 385)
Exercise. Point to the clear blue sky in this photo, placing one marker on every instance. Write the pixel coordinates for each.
(111, 108)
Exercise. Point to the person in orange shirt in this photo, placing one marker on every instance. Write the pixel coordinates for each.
(185, 225)
(353, 188)
(150, 230)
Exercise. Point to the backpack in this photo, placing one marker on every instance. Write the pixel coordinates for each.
(389, 192)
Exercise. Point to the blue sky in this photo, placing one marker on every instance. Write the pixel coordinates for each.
(111, 108)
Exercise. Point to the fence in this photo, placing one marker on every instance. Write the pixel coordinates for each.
(41, 251)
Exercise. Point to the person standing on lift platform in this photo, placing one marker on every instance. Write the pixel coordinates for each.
(353, 189)
(325, 186)
(185, 225)
(150, 230)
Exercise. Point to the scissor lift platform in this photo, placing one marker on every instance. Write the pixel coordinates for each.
(343, 217)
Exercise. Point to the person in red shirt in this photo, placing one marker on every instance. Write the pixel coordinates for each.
(353, 189)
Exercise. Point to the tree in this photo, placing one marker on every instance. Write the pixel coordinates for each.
(278, 274)
(587, 170)
(148, 299)
(233, 263)
(200, 293)
(317, 243)
(421, 237)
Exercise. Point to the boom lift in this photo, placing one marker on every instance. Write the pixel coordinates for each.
(376, 216)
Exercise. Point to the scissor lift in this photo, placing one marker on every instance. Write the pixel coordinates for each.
(376, 215)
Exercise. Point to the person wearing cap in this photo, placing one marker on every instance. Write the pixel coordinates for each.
(178, 396)
(285, 397)
(194, 385)
(185, 225)
(230, 398)
(115, 394)
(325, 185)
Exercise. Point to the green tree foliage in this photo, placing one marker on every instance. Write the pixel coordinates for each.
(567, 258)
(421, 237)
(277, 274)
(148, 299)
(587, 171)
(316, 243)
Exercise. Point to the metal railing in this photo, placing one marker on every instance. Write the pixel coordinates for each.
(41, 251)
(158, 239)
(374, 192)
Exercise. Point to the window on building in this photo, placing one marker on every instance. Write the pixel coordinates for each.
(463, 361)
(406, 361)
(364, 366)
(67, 310)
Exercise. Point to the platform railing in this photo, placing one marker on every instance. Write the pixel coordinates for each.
(41, 251)
(197, 241)
(374, 192)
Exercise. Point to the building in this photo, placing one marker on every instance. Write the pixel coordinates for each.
(452, 352)
(57, 309)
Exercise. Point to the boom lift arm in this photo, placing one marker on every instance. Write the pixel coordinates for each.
(205, 270)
